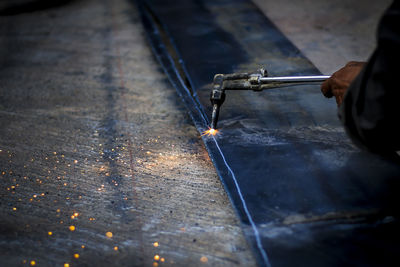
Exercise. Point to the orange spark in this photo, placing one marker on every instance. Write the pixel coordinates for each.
(210, 132)
(204, 259)
(109, 234)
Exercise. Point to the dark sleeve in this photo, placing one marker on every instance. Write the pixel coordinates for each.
(370, 111)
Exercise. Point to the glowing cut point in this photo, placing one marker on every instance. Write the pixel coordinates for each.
(210, 132)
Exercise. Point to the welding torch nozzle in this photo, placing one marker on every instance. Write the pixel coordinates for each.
(217, 98)
(214, 116)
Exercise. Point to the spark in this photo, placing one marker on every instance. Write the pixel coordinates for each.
(109, 234)
(50, 233)
(76, 256)
(210, 132)
(72, 228)
(33, 263)
(66, 264)
(156, 244)
(204, 259)
(115, 248)
(156, 257)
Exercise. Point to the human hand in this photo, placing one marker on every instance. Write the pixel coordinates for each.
(338, 83)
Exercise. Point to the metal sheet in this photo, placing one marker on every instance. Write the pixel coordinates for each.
(306, 196)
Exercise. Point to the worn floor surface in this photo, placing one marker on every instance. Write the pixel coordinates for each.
(99, 163)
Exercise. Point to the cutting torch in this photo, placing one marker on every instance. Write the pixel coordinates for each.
(258, 81)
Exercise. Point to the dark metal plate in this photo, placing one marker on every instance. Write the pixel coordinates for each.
(305, 194)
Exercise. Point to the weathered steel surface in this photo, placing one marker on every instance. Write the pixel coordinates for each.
(305, 194)
(329, 33)
(90, 125)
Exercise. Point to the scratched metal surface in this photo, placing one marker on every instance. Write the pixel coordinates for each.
(92, 135)
(306, 196)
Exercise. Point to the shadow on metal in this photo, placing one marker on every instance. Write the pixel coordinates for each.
(15, 7)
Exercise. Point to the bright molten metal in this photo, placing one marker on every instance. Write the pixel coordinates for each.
(210, 132)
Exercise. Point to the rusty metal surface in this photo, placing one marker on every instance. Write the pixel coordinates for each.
(93, 136)
(306, 196)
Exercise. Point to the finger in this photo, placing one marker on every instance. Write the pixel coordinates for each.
(339, 100)
(326, 88)
(351, 63)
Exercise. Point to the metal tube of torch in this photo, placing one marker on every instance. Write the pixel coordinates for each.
(294, 79)
(257, 84)
(214, 116)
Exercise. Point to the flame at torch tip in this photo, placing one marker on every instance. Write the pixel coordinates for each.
(210, 132)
